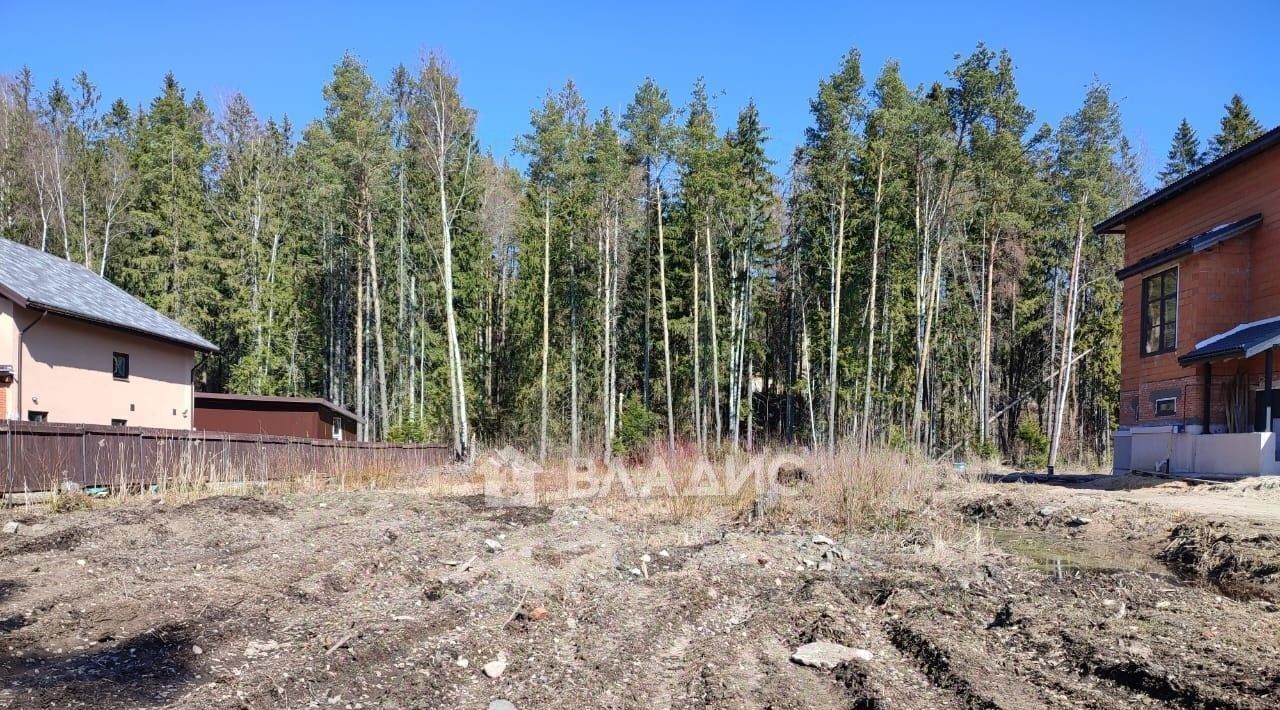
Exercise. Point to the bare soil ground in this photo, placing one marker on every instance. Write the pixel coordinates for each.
(393, 599)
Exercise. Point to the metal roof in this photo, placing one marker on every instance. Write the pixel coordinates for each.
(283, 402)
(34, 279)
(1245, 340)
(1116, 223)
(1191, 245)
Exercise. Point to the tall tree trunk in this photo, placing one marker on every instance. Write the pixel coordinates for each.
(806, 364)
(363, 426)
(606, 254)
(461, 432)
(871, 303)
(383, 413)
(1068, 338)
(546, 322)
(934, 273)
(697, 361)
(666, 326)
(837, 277)
(988, 306)
(715, 345)
(574, 422)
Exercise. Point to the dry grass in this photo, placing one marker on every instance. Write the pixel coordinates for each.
(877, 492)
(194, 474)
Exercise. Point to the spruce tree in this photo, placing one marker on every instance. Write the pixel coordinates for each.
(1238, 127)
(168, 261)
(1184, 155)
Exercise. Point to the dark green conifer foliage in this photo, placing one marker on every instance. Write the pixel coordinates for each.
(1184, 155)
(1238, 127)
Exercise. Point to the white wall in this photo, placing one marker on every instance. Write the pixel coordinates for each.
(1252, 453)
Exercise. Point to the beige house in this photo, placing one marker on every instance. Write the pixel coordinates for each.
(76, 349)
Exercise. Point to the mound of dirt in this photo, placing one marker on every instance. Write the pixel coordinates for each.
(1246, 565)
(238, 505)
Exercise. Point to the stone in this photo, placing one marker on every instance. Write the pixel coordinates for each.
(1076, 521)
(1163, 604)
(493, 545)
(12, 527)
(823, 540)
(257, 648)
(197, 650)
(494, 669)
(1047, 512)
(827, 655)
(538, 613)
(501, 704)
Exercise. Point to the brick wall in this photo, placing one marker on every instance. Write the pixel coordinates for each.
(1217, 289)
(1138, 406)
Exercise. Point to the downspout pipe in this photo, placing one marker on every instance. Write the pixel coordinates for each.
(192, 405)
(17, 376)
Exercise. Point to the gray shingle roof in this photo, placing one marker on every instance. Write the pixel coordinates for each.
(34, 279)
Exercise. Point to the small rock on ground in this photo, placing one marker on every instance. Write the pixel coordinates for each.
(493, 669)
(827, 655)
(501, 704)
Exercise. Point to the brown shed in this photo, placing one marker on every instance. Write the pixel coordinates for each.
(309, 417)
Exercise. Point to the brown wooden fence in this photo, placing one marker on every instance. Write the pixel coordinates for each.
(41, 457)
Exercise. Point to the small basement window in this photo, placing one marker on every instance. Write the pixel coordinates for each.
(120, 366)
(119, 422)
(34, 416)
(1160, 312)
(1166, 407)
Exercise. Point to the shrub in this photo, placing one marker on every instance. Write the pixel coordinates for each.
(1035, 444)
(635, 427)
(408, 431)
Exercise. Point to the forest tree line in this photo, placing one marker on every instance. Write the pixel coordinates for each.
(922, 271)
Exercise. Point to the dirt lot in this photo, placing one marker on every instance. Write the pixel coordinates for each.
(396, 599)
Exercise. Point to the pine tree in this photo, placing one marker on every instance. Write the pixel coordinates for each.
(1238, 127)
(830, 146)
(358, 115)
(1184, 155)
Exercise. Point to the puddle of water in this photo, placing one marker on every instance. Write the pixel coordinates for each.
(1064, 558)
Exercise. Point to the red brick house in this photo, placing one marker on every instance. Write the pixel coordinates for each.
(1201, 318)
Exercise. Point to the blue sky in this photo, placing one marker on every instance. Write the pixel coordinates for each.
(1164, 60)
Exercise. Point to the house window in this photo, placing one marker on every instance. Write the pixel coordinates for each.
(1160, 312)
(1166, 407)
(119, 422)
(120, 366)
(34, 416)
